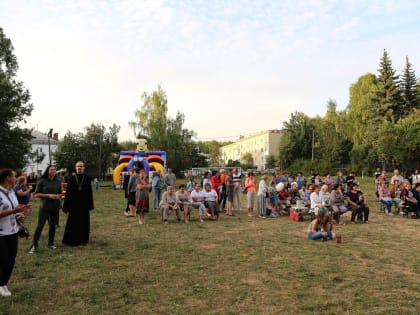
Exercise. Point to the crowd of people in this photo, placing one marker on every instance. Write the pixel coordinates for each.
(325, 198)
(402, 193)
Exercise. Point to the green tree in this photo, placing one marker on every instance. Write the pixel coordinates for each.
(69, 151)
(409, 91)
(362, 120)
(97, 148)
(247, 160)
(296, 142)
(128, 145)
(178, 143)
(400, 143)
(164, 133)
(233, 163)
(152, 120)
(388, 97)
(331, 115)
(271, 161)
(100, 147)
(215, 154)
(14, 108)
(196, 158)
(331, 143)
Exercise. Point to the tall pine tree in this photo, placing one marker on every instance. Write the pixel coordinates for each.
(409, 92)
(388, 97)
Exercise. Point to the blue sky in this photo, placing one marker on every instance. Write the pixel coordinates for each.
(232, 67)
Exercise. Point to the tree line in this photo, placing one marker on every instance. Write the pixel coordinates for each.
(380, 126)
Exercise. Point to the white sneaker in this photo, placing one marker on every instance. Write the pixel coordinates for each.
(32, 249)
(4, 291)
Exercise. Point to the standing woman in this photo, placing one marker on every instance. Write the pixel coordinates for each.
(48, 190)
(142, 196)
(262, 192)
(157, 186)
(77, 203)
(22, 190)
(251, 187)
(9, 207)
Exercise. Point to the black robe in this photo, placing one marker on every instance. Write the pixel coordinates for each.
(78, 203)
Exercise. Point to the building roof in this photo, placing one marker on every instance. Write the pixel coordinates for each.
(41, 138)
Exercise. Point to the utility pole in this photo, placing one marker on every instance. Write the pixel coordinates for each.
(313, 142)
(100, 152)
(49, 135)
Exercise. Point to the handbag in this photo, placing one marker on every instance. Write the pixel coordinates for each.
(244, 190)
(23, 230)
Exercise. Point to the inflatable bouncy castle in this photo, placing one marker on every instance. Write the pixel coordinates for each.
(142, 158)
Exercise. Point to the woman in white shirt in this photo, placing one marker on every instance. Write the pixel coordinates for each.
(211, 200)
(262, 193)
(9, 207)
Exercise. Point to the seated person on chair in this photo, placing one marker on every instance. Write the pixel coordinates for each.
(183, 202)
(294, 192)
(167, 203)
(316, 200)
(357, 203)
(211, 201)
(416, 193)
(284, 198)
(337, 203)
(407, 196)
(325, 196)
(397, 176)
(321, 226)
(381, 178)
(395, 191)
(385, 197)
(197, 197)
(307, 195)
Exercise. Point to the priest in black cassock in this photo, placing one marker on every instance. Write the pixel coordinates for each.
(78, 202)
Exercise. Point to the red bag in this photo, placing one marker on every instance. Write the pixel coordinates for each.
(292, 215)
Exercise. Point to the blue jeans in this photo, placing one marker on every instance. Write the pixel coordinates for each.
(388, 205)
(157, 196)
(200, 206)
(318, 235)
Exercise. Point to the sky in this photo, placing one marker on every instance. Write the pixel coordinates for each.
(231, 67)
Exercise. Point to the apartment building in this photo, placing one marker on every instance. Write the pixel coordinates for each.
(260, 145)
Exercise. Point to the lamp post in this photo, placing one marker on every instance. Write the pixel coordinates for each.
(49, 145)
(100, 153)
(313, 142)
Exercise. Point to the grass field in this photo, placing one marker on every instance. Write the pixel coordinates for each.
(238, 265)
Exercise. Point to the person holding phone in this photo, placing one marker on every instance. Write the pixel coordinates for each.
(9, 208)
